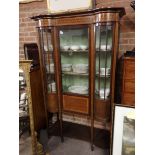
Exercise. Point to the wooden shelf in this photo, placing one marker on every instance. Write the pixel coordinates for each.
(103, 76)
(77, 51)
(83, 74)
(84, 51)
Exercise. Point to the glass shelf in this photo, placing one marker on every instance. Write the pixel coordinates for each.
(75, 51)
(103, 76)
(85, 51)
(103, 52)
(50, 52)
(73, 73)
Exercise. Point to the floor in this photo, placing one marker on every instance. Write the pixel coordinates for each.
(25, 144)
(76, 141)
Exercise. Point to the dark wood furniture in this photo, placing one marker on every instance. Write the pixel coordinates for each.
(31, 53)
(78, 52)
(39, 112)
(37, 101)
(126, 81)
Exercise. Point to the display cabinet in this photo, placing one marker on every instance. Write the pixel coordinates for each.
(78, 52)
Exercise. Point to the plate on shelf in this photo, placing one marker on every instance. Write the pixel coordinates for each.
(75, 47)
(21, 71)
(78, 89)
(52, 87)
(50, 68)
(22, 113)
(103, 70)
(83, 47)
(48, 48)
(107, 75)
(103, 48)
(101, 93)
(80, 68)
(66, 67)
(65, 48)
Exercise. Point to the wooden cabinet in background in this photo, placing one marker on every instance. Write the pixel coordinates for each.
(37, 99)
(125, 84)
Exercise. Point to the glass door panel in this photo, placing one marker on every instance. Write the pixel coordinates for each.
(74, 51)
(103, 60)
(48, 61)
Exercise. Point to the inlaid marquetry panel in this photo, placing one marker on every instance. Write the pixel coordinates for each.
(75, 20)
(76, 104)
(87, 19)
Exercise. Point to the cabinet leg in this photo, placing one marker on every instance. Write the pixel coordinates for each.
(61, 132)
(60, 127)
(92, 134)
(92, 147)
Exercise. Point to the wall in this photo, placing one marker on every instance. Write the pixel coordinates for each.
(127, 24)
(28, 32)
(27, 27)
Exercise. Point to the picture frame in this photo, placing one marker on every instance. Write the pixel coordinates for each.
(123, 136)
(28, 1)
(61, 6)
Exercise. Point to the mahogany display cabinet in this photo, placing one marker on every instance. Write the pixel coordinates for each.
(78, 52)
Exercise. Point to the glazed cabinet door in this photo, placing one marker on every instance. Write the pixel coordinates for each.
(74, 55)
(104, 50)
(48, 66)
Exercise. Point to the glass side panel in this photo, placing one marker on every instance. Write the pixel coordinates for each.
(48, 60)
(103, 60)
(74, 51)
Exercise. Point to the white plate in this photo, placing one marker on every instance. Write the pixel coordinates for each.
(65, 48)
(66, 67)
(103, 47)
(50, 69)
(74, 47)
(78, 89)
(80, 68)
(101, 93)
(83, 47)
